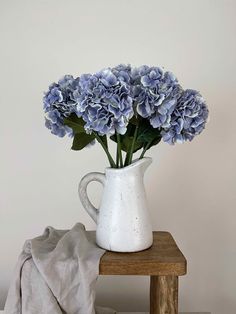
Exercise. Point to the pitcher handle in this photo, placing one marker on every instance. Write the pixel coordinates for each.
(93, 176)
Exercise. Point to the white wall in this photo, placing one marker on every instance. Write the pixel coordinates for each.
(191, 187)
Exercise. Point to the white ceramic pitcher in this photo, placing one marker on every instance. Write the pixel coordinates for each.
(123, 222)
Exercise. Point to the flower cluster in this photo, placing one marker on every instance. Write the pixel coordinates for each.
(155, 94)
(59, 103)
(188, 119)
(105, 101)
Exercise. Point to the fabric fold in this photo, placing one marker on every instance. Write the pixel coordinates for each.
(56, 274)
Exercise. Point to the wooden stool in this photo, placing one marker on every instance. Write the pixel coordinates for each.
(163, 262)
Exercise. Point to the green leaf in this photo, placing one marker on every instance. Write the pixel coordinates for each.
(81, 140)
(154, 142)
(75, 123)
(126, 142)
(147, 135)
(134, 120)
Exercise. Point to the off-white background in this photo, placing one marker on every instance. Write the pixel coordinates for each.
(191, 187)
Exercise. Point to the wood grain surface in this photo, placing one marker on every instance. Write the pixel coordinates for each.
(164, 295)
(164, 258)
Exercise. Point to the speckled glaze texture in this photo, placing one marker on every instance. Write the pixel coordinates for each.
(123, 221)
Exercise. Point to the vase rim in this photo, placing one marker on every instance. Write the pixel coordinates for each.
(135, 163)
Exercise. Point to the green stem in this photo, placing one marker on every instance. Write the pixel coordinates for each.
(105, 147)
(129, 155)
(117, 157)
(145, 149)
(119, 152)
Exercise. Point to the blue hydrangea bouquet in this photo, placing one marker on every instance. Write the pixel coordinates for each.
(134, 107)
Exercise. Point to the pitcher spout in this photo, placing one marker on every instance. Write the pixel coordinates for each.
(144, 163)
(138, 165)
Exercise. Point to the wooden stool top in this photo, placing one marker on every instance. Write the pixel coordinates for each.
(163, 258)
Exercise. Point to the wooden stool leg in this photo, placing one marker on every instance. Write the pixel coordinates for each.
(163, 295)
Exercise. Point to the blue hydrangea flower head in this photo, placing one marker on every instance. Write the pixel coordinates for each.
(59, 103)
(105, 101)
(188, 119)
(155, 94)
(123, 72)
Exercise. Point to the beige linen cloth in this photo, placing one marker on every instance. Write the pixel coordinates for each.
(56, 274)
